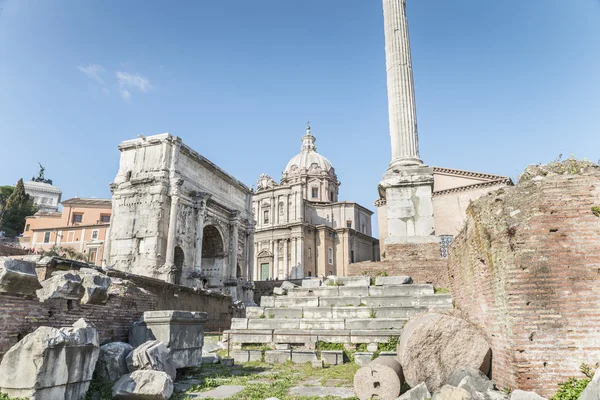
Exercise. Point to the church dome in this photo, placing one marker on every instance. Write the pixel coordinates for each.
(308, 156)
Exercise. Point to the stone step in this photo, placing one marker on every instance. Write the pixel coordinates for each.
(309, 337)
(322, 323)
(429, 300)
(334, 312)
(342, 291)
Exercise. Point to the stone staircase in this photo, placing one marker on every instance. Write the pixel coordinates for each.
(351, 311)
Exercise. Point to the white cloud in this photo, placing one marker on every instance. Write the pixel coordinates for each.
(125, 94)
(133, 81)
(92, 71)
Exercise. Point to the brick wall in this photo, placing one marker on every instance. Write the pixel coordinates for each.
(20, 316)
(526, 269)
(265, 288)
(422, 262)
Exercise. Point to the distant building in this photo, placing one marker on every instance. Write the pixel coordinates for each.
(82, 226)
(45, 196)
(302, 229)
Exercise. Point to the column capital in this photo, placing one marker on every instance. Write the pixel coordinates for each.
(176, 185)
(200, 199)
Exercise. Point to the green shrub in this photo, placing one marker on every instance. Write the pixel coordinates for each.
(572, 388)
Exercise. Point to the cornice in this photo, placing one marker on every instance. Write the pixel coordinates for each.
(504, 181)
(470, 174)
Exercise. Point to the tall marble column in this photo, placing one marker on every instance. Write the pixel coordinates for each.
(201, 200)
(400, 85)
(407, 185)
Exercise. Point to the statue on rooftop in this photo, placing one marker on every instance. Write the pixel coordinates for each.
(40, 177)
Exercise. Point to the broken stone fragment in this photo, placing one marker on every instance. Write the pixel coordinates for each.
(433, 346)
(419, 392)
(51, 363)
(448, 392)
(96, 287)
(143, 385)
(523, 395)
(279, 291)
(63, 285)
(287, 285)
(470, 379)
(592, 391)
(152, 355)
(18, 276)
(112, 362)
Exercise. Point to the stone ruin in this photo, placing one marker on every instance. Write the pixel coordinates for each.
(180, 218)
(60, 362)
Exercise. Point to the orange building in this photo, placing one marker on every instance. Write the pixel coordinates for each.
(82, 226)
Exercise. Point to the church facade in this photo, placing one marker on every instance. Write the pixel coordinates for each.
(302, 229)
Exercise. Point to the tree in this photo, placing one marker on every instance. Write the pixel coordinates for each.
(5, 192)
(18, 206)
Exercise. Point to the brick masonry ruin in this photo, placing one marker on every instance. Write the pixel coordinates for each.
(126, 304)
(525, 268)
(423, 262)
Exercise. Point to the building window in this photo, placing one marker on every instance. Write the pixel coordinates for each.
(27, 228)
(309, 252)
(363, 230)
(315, 192)
(266, 217)
(309, 274)
(94, 235)
(331, 196)
(349, 223)
(77, 218)
(105, 219)
(46, 237)
(330, 256)
(351, 256)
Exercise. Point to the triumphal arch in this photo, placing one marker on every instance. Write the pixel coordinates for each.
(180, 218)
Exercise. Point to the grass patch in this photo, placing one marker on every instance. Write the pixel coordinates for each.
(441, 291)
(372, 313)
(277, 384)
(262, 347)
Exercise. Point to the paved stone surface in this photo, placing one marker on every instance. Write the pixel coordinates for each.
(222, 392)
(307, 391)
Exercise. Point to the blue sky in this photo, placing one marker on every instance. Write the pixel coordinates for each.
(499, 84)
